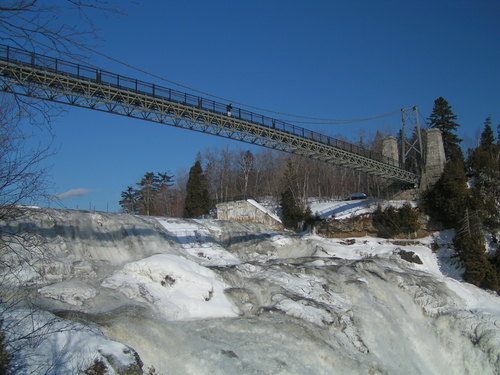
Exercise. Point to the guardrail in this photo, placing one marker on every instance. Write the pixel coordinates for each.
(20, 57)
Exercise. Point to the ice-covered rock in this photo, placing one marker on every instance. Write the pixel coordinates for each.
(209, 296)
(42, 343)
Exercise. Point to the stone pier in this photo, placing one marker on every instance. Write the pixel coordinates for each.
(434, 159)
(390, 149)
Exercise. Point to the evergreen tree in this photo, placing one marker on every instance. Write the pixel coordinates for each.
(146, 198)
(498, 134)
(487, 137)
(129, 200)
(197, 201)
(470, 246)
(442, 118)
(148, 187)
(290, 210)
(386, 221)
(408, 219)
(446, 200)
(483, 169)
(391, 222)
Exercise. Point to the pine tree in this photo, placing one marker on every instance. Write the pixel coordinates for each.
(149, 186)
(498, 135)
(446, 200)
(483, 169)
(487, 137)
(197, 201)
(470, 246)
(391, 222)
(290, 210)
(129, 200)
(386, 221)
(147, 198)
(408, 219)
(442, 118)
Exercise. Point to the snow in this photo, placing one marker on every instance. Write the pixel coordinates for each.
(341, 209)
(73, 292)
(178, 288)
(205, 296)
(197, 241)
(263, 209)
(45, 343)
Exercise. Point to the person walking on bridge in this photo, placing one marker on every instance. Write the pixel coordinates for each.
(228, 109)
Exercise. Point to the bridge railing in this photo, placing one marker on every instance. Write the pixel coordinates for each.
(81, 72)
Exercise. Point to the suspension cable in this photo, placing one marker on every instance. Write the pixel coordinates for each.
(316, 121)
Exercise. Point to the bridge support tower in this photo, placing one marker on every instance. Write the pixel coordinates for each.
(390, 149)
(434, 159)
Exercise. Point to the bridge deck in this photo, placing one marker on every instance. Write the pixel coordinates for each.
(26, 73)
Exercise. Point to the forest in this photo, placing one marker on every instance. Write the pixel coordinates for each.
(235, 173)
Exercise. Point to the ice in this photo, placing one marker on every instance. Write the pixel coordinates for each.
(176, 287)
(46, 344)
(73, 292)
(205, 296)
(197, 240)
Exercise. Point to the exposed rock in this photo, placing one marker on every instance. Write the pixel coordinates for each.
(409, 256)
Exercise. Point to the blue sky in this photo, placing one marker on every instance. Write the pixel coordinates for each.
(325, 59)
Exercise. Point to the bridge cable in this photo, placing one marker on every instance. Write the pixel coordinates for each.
(322, 120)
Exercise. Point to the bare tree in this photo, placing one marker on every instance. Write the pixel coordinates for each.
(23, 178)
(246, 163)
(38, 26)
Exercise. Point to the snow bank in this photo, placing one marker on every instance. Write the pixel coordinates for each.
(177, 288)
(197, 241)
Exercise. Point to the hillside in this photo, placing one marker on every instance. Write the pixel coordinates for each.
(190, 296)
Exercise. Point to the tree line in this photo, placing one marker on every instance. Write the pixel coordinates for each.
(467, 197)
(236, 173)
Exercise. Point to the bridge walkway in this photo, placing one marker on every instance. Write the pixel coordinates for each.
(34, 75)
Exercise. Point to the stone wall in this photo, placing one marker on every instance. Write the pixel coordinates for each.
(246, 212)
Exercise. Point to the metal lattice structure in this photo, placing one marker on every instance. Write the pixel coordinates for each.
(34, 75)
(410, 121)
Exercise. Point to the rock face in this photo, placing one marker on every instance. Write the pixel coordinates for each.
(363, 226)
(355, 227)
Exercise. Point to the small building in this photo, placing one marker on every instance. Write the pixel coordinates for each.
(248, 211)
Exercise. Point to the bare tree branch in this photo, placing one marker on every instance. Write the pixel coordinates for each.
(39, 27)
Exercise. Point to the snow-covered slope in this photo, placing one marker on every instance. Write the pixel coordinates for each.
(207, 296)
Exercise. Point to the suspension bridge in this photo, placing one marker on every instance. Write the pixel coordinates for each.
(38, 76)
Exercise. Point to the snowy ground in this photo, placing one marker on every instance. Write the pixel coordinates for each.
(343, 209)
(206, 296)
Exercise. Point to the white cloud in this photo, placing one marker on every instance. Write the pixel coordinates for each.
(71, 193)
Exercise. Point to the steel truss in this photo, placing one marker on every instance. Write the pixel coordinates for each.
(156, 104)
